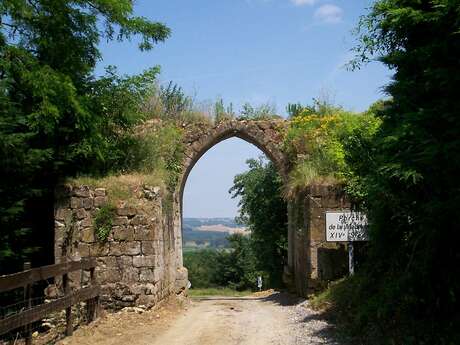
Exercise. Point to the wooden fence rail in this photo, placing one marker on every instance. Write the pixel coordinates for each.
(28, 277)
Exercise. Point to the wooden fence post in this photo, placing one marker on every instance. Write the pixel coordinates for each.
(28, 304)
(32, 312)
(93, 304)
(68, 311)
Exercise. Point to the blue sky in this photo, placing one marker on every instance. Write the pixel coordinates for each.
(257, 51)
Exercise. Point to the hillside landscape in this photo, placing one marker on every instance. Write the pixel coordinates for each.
(200, 233)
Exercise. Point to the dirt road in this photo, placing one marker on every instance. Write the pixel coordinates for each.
(275, 319)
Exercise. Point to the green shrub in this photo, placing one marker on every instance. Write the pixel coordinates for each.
(316, 143)
(103, 221)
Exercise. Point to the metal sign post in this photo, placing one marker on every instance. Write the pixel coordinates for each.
(351, 262)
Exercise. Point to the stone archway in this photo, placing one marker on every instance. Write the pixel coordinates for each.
(267, 135)
(141, 260)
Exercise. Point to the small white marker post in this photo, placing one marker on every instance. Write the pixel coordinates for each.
(351, 262)
(259, 283)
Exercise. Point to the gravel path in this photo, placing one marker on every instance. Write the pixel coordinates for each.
(277, 319)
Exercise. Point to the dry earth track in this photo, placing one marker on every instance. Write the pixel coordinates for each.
(275, 319)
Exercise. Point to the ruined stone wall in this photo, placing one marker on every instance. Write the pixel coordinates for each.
(138, 263)
(313, 261)
(328, 260)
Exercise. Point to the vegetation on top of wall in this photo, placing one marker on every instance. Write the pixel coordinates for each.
(122, 188)
(316, 142)
(265, 111)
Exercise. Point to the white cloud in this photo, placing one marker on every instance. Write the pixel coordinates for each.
(329, 13)
(303, 2)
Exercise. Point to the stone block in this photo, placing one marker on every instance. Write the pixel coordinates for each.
(84, 249)
(144, 233)
(62, 214)
(180, 285)
(125, 248)
(109, 275)
(137, 288)
(147, 300)
(87, 235)
(86, 223)
(80, 213)
(58, 224)
(118, 221)
(123, 233)
(145, 261)
(182, 273)
(129, 298)
(99, 249)
(150, 247)
(132, 248)
(87, 203)
(130, 274)
(76, 202)
(125, 261)
(100, 201)
(115, 249)
(139, 220)
(150, 289)
(147, 275)
(126, 211)
(100, 192)
(82, 191)
(107, 262)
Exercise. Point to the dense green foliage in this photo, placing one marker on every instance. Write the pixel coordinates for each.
(55, 116)
(234, 268)
(409, 177)
(264, 211)
(263, 252)
(316, 143)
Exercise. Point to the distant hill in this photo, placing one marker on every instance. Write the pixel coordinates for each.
(199, 233)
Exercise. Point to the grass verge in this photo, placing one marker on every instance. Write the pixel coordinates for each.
(218, 292)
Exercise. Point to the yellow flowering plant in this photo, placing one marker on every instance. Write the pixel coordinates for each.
(315, 143)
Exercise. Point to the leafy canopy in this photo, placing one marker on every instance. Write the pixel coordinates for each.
(56, 117)
(264, 211)
(408, 173)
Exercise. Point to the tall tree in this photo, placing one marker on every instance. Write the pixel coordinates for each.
(53, 117)
(265, 212)
(412, 179)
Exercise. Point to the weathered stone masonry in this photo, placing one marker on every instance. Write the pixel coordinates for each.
(313, 262)
(141, 261)
(137, 264)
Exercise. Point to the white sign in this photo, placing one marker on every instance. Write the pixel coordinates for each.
(346, 226)
(259, 282)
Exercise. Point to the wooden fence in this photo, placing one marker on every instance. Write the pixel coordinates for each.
(31, 314)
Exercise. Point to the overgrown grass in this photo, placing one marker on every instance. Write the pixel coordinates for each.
(317, 140)
(356, 305)
(123, 187)
(306, 173)
(328, 298)
(218, 292)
